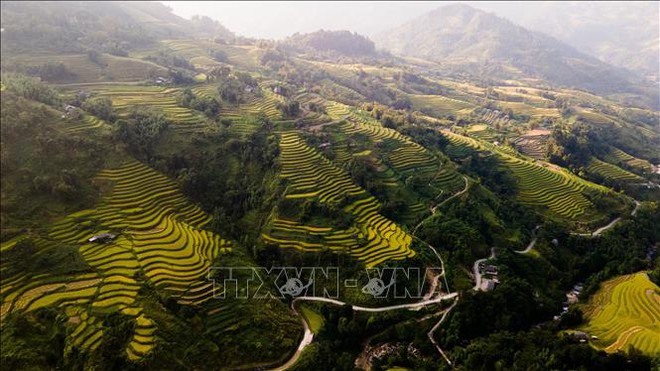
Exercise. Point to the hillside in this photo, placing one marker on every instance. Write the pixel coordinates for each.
(624, 35)
(109, 27)
(466, 40)
(342, 42)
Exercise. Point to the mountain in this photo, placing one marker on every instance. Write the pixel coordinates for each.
(463, 39)
(622, 34)
(103, 26)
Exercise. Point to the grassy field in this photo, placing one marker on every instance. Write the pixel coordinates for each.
(109, 67)
(625, 312)
(314, 319)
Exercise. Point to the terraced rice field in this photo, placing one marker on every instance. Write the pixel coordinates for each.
(372, 238)
(255, 105)
(542, 186)
(626, 312)
(533, 143)
(592, 116)
(126, 98)
(482, 132)
(89, 122)
(494, 117)
(439, 105)
(618, 156)
(158, 239)
(612, 172)
(406, 157)
(520, 108)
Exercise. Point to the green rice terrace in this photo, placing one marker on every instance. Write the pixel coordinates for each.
(372, 238)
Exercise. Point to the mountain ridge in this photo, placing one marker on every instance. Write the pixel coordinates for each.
(455, 34)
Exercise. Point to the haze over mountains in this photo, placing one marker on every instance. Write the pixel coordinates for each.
(624, 34)
(463, 39)
(571, 45)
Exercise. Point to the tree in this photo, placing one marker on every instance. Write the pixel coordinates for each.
(220, 56)
(290, 108)
(142, 130)
(231, 90)
(100, 107)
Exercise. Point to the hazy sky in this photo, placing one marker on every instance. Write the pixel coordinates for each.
(274, 20)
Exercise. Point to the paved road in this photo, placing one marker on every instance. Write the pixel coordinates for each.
(306, 340)
(433, 208)
(611, 224)
(309, 336)
(428, 299)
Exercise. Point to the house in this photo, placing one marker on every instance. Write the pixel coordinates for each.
(71, 111)
(324, 145)
(582, 337)
(488, 284)
(160, 80)
(277, 90)
(492, 270)
(102, 238)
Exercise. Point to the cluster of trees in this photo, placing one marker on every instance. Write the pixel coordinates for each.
(343, 42)
(168, 59)
(52, 71)
(541, 349)
(573, 148)
(289, 108)
(74, 28)
(142, 130)
(209, 106)
(232, 89)
(230, 177)
(100, 107)
(30, 88)
(43, 169)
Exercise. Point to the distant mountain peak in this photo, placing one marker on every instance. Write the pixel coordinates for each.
(464, 39)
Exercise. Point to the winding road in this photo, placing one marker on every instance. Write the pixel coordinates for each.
(595, 233)
(309, 336)
(428, 299)
(600, 230)
(435, 207)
